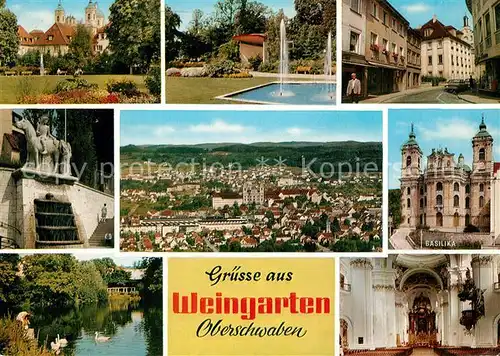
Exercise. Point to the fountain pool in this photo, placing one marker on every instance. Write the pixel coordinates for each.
(294, 93)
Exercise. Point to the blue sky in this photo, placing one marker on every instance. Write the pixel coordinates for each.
(39, 14)
(452, 129)
(418, 12)
(192, 127)
(184, 8)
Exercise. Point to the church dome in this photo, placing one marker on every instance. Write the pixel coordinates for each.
(91, 5)
(482, 133)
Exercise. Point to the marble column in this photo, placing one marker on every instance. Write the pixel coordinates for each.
(456, 331)
(483, 275)
(362, 302)
(444, 327)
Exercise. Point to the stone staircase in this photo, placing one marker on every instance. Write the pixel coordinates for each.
(97, 239)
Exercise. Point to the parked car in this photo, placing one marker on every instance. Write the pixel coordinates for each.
(456, 86)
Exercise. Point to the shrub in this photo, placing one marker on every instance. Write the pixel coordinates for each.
(74, 84)
(238, 75)
(430, 79)
(125, 87)
(179, 64)
(230, 51)
(153, 81)
(193, 72)
(255, 62)
(13, 340)
(173, 72)
(269, 67)
(219, 69)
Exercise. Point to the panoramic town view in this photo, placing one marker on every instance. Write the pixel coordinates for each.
(80, 52)
(431, 51)
(248, 52)
(444, 182)
(210, 181)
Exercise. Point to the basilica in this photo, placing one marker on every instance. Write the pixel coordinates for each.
(447, 194)
(420, 302)
(55, 41)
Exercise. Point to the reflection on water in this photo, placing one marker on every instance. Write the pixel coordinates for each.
(133, 331)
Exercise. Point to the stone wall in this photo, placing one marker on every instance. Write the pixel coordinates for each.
(17, 206)
(8, 205)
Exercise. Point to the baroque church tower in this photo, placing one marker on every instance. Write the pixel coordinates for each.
(411, 170)
(60, 14)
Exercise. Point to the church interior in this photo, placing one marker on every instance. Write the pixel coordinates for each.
(420, 305)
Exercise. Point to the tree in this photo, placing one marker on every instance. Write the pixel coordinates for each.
(172, 23)
(395, 206)
(251, 17)
(134, 32)
(9, 39)
(80, 48)
(153, 281)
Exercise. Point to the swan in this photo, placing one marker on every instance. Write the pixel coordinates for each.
(101, 338)
(55, 346)
(61, 342)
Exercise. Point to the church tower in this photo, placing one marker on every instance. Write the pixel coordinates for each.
(91, 14)
(480, 179)
(411, 170)
(59, 14)
(411, 156)
(482, 147)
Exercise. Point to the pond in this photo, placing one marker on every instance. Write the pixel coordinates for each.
(298, 93)
(132, 331)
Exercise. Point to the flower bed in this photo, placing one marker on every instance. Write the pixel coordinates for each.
(81, 96)
(79, 91)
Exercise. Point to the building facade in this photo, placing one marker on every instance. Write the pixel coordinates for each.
(253, 193)
(412, 301)
(385, 48)
(413, 59)
(55, 41)
(445, 52)
(486, 17)
(353, 43)
(447, 194)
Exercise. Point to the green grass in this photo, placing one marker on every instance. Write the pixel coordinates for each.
(10, 86)
(182, 90)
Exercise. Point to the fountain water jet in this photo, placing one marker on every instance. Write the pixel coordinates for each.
(42, 66)
(283, 72)
(328, 66)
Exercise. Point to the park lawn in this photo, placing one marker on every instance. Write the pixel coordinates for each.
(181, 90)
(10, 87)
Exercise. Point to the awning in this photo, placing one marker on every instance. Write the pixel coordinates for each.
(374, 64)
(356, 64)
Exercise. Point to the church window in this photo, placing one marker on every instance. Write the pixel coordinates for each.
(456, 187)
(481, 187)
(425, 201)
(467, 189)
(88, 17)
(421, 203)
(408, 161)
(456, 201)
(421, 190)
(439, 186)
(481, 202)
(439, 200)
(408, 191)
(482, 154)
(467, 203)
(408, 203)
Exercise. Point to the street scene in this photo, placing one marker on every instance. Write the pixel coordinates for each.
(430, 52)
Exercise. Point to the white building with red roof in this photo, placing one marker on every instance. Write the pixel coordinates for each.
(55, 41)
